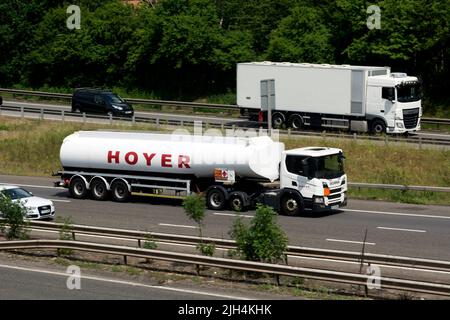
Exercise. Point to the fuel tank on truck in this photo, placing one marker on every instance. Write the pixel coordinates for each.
(194, 155)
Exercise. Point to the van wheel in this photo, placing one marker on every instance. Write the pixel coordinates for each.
(378, 127)
(215, 199)
(119, 191)
(291, 204)
(78, 188)
(99, 190)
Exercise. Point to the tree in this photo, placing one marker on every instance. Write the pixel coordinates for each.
(195, 206)
(14, 214)
(263, 240)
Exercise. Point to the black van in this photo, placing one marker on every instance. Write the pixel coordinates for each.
(100, 101)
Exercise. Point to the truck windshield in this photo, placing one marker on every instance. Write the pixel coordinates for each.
(409, 92)
(16, 193)
(329, 167)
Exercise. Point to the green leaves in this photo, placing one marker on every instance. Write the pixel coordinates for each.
(14, 214)
(263, 240)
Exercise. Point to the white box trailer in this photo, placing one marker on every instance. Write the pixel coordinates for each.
(359, 98)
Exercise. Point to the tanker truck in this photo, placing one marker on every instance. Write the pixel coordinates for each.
(235, 173)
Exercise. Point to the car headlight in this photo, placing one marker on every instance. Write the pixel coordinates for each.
(117, 107)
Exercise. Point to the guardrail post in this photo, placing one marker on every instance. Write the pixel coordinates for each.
(125, 261)
(22, 115)
(182, 123)
(73, 235)
(157, 122)
(133, 119)
(41, 114)
(197, 269)
(110, 119)
(354, 136)
(84, 117)
(385, 139)
(277, 279)
(62, 116)
(139, 243)
(420, 142)
(289, 132)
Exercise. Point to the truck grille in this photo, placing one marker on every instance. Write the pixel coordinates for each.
(410, 118)
(44, 210)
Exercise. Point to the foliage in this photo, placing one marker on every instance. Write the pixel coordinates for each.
(206, 249)
(149, 242)
(65, 233)
(263, 240)
(14, 214)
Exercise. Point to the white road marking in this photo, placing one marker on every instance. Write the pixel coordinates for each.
(30, 185)
(232, 215)
(125, 282)
(177, 225)
(400, 229)
(381, 265)
(57, 200)
(399, 214)
(350, 241)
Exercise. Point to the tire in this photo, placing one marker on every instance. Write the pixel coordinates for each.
(119, 191)
(78, 188)
(291, 204)
(378, 127)
(99, 190)
(296, 122)
(76, 109)
(216, 199)
(236, 203)
(277, 120)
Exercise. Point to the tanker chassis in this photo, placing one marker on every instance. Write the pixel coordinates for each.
(235, 173)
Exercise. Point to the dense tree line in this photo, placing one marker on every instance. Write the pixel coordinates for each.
(187, 48)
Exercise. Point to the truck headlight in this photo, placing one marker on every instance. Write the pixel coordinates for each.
(399, 125)
(318, 200)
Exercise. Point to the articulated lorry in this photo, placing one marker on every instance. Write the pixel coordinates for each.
(235, 173)
(356, 98)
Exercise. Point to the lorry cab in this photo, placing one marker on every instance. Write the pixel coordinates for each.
(315, 176)
(394, 103)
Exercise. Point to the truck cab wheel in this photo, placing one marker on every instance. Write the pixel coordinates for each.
(215, 199)
(236, 203)
(119, 191)
(291, 205)
(99, 190)
(78, 188)
(378, 127)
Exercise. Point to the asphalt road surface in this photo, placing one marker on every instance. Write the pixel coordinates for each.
(392, 228)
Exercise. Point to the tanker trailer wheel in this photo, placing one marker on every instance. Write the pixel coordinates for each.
(296, 122)
(78, 188)
(236, 202)
(216, 199)
(99, 191)
(277, 120)
(120, 192)
(291, 204)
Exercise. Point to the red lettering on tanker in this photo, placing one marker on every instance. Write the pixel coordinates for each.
(166, 160)
(115, 156)
(183, 161)
(149, 157)
(131, 158)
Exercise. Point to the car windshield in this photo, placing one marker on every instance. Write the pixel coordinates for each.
(409, 92)
(328, 167)
(16, 193)
(115, 99)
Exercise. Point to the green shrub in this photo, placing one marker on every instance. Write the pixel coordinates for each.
(14, 225)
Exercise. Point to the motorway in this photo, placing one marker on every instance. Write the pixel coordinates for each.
(171, 117)
(392, 228)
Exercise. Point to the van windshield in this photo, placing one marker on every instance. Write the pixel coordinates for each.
(115, 99)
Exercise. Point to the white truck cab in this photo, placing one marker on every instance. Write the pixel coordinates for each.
(317, 173)
(395, 97)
